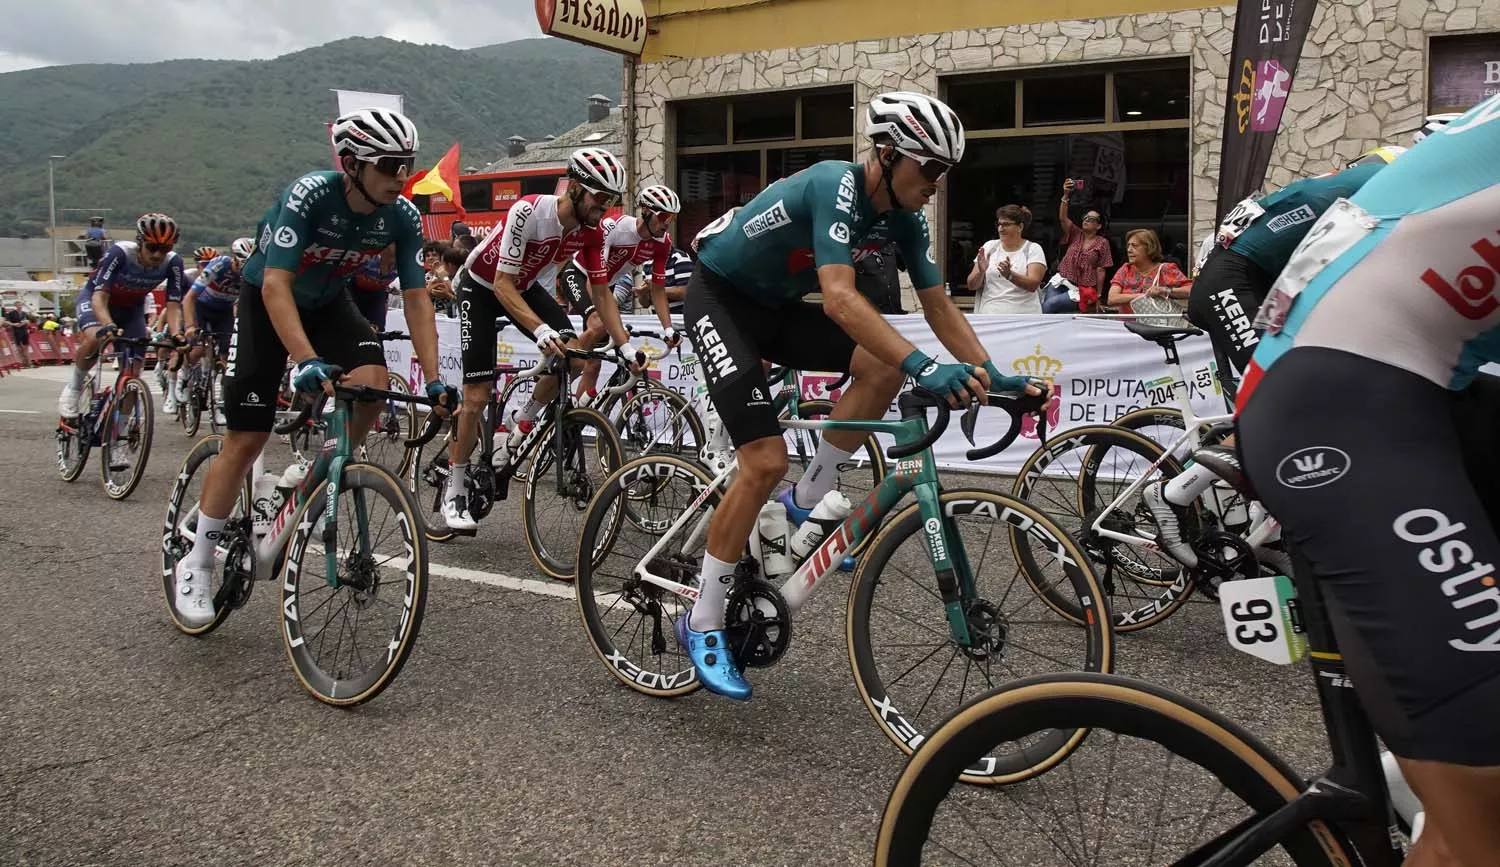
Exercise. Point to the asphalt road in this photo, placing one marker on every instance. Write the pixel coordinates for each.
(504, 741)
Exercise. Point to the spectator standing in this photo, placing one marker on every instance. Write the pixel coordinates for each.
(1086, 256)
(1009, 269)
(20, 330)
(95, 241)
(1146, 275)
(439, 286)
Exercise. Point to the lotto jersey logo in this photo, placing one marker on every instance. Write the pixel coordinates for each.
(1472, 292)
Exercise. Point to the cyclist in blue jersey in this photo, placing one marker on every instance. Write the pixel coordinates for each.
(1370, 434)
(294, 300)
(800, 235)
(210, 304)
(113, 301)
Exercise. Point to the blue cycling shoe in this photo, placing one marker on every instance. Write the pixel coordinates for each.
(713, 660)
(795, 515)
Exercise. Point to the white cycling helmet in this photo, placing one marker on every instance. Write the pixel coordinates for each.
(242, 248)
(659, 198)
(597, 170)
(918, 125)
(371, 133)
(1433, 123)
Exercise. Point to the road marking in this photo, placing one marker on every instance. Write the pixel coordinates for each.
(22, 411)
(500, 579)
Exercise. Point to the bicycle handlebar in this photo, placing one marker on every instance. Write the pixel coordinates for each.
(912, 403)
(1018, 405)
(371, 394)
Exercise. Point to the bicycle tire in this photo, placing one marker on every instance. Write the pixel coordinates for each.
(408, 411)
(556, 561)
(679, 407)
(176, 542)
(147, 410)
(72, 451)
(1125, 705)
(337, 689)
(1163, 593)
(1097, 640)
(433, 525)
(602, 523)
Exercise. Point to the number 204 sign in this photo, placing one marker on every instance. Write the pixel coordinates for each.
(1260, 618)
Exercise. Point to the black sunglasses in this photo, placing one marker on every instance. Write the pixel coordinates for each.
(933, 169)
(391, 166)
(160, 248)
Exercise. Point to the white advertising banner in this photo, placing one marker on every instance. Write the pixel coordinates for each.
(1099, 372)
(354, 100)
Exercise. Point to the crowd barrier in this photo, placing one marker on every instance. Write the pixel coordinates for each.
(46, 347)
(1099, 371)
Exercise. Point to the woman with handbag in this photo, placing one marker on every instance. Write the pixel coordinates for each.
(1147, 285)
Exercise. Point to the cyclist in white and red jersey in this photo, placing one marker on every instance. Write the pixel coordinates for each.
(628, 241)
(504, 276)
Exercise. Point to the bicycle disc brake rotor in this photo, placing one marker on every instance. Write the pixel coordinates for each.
(361, 577)
(987, 630)
(758, 622)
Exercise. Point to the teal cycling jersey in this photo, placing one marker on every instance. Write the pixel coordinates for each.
(312, 232)
(1291, 211)
(771, 248)
(1407, 272)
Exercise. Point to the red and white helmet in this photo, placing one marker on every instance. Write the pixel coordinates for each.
(918, 125)
(598, 170)
(658, 197)
(242, 248)
(372, 133)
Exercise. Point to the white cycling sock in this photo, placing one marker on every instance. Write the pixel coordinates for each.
(458, 476)
(530, 410)
(79, 376)
(1190, 484)
(205, 540)
(822, 474)
(713, 590)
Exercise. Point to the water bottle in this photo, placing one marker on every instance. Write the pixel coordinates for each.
(771, 526)
(826, 515)
(293, 476)
(1402, 798)
(1232, 507)
(267, 497)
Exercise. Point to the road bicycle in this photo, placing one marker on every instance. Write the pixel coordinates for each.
(367, 563)
(119, 421)
(205, 388)
(929, 607)
(1090, 478)
(1161, 779)
(561, 461)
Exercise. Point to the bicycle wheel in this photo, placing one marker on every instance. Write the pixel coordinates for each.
(656, 420)
(427, 480)
(72, 450)
(629, 621)
(557, 495)
(127, 440)
(180, 528)
(1209, 776)
(190, 412)
(385, 443)
(1074, 477)
(380, 575)
(907, 667)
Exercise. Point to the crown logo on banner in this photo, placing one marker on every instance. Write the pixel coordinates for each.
(1037, 364)
(504, 352)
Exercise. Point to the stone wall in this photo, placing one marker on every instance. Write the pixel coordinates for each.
(1361, 83)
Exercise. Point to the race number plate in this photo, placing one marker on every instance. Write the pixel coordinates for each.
(1342, 226)
(1260, 619)
(714, 228)
(1239, 218)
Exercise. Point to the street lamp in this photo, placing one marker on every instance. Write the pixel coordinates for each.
(52, 211)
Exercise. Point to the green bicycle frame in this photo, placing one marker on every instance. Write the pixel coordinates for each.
(336, 453)
(916, 473)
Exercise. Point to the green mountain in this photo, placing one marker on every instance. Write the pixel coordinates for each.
(212, 142)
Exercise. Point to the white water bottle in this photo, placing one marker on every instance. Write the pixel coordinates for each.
(267, 497)
(292, 477)
(1402, 798)
(826, 515)
(771, 525)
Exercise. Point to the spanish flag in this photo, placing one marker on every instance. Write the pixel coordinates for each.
(441, 178)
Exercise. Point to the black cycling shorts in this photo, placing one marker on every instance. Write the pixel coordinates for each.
(373, 306)
(479, 307)
(573, 286)
(1387, 484)
(1226, 295)
(732, 333)
(339, 334)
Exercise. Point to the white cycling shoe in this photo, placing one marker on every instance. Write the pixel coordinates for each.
(194, 602)
(67, 402)
(457, 516)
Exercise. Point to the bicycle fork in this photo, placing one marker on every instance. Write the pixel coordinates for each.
(955, 577)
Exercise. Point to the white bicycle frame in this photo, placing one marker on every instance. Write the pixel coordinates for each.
(1263, 527)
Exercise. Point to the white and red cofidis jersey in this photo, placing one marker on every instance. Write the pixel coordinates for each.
(626, 243)
(531, 242)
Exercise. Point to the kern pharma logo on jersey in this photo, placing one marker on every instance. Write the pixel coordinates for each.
(771, 218)
(308, 188)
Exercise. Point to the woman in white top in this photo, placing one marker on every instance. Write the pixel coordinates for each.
(1008, 270)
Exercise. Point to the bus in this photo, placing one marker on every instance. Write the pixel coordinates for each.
(486, 198)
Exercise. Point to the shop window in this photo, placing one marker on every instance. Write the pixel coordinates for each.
(828, 114)
(1464, 71)
(541, 186)
(702, 122)
(1063, 99)
(984, 104)
(710, 184)
(1151, 94)
(475, 195)
(784, 162)
(765, 118)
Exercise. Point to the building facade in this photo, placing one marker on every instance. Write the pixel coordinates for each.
(1126, 95)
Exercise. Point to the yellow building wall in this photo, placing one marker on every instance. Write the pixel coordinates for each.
(704, 28)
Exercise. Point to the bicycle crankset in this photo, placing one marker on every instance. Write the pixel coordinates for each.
(1222, 557)
(239, 572)
(758, 622)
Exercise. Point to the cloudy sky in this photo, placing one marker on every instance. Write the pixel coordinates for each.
(37, 33)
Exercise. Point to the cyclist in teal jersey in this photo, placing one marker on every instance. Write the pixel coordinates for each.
(1369, 432)
(803, 234)
(294, 299)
